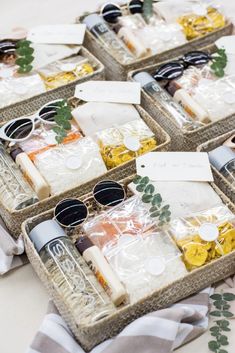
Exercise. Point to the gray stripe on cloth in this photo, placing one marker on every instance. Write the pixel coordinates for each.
(44, 344)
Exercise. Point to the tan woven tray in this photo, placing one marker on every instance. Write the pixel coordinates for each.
(182, 141)
(31, 104)
(14, 218)
(119, 71)
(92, 334)
(220, 180)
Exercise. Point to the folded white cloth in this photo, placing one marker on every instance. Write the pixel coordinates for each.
(10, 247)
(160, 331)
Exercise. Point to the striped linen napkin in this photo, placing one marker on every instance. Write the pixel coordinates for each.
(9, 248)
(158, 332)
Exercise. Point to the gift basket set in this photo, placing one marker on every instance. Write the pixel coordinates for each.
(113, 227)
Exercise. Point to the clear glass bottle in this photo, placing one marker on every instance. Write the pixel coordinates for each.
(108, 38)
(15, 192)
(223, 159)
(151, 87)
(70, 274)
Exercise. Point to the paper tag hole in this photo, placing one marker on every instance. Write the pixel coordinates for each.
(142, 166)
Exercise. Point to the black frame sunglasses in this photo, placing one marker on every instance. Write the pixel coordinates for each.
(175, 69)
(111, 11)
(71, 213)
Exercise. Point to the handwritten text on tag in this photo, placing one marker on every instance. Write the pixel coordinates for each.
(175, 166)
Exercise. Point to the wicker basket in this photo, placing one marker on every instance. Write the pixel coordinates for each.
(182, 141)
(14, 218)
(91, 335)
(119, 71)
(220, 180)
(31, 104)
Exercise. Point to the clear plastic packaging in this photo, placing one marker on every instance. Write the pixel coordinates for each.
(123, 143)
(196, 25)
(67, 166)
(192, 76)
(204, 236)
(216, 97)
(15, 89)
(134, 21)
(120, 223)
(64, 71)
(96, 116)
(162, 37)
(146, 263)
(143, 259)
(43, 138)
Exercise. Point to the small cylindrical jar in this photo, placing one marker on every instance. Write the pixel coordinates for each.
(69, 273)
(223, 159)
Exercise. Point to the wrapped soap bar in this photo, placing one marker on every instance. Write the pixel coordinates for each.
(162, 37)
(14, 89)
(122, 144)
(43, 138)
(185, 197)
(64, 71)
(96, 116)
(216, 97)
(119, 223)
(204, 236)
(67, 166)
(197, 25)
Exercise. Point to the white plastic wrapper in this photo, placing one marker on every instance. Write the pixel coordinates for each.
(204, 236)
(144, 259)
(16, 89)
(67, 166)
(171, 10)
(216, 97)
(162, 37)
(123, 143)
(96, 116)
(185, 197)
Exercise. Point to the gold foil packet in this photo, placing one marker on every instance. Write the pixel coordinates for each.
(195, 26)
(64, 71)
(126, 142)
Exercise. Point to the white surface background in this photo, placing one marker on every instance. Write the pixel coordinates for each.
(23, 299)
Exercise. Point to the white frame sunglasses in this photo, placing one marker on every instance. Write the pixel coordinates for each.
(30, 120)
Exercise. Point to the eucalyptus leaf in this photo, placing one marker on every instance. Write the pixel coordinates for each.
(137, 179)
(227, 313)
(229, 296)
(213, 345)
(140, 187)
(216, 296)
(149, 189)
(215, 313)
(145, 180)
(146, 198)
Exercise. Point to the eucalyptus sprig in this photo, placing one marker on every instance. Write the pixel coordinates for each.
(147, 10)
(157, 210)
(221, 303)
(24, 52)
(219, 62)
(62, 119)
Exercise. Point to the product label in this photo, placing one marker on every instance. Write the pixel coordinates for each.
(100, 29)
(208, 232)
(175, 166)
(187, 109)
(132, 143)
(109, 91)
(58, 34)
(100, 277)
(73, 162)
(155, 265)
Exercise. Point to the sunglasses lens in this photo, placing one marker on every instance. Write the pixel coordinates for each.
(196, 58)
(111, 12)
(71, 212)
(135, 6)
(48, 112)
(109, 193)
(19, 129)
(7, 47)
(169, 71)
